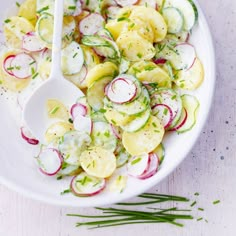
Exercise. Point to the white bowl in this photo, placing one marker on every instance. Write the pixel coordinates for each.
(19, 172)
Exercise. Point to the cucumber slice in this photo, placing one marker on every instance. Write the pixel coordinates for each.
(191, 104)
(146, 139)
(188, 9)
(174, 19)
(170, 98)
(98, 162)
(98, 116)
(133, 108)
(138, 122)
(72, 59)
(69, 170)
(103, 136)
(124, 65)
(96, 93)
(160, 152)
(72, 144)
(122, 158)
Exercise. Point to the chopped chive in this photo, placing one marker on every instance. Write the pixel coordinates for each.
(154, 125)
(132, 25)
(88, 165)
(165, 111)
(72, 7)
(193, 204)
(107, 134)
(65, 191)
(136, 161)
(139, 55)
(173, 97)
(94, 163)
(17, 4)
(216, 202)
(87, 2)
(7, 20)
(113, 122)
(35, 75)
(196, 194)
(32, 71)
(70, 120)
(75, 55)
(64, 165)
(199, 219)
(31, 63)
(10, 68)
(43, 9)
(200, 209)
(122, 19)
(54, 110)
(1, 82)
(59, 177)
(102, 110)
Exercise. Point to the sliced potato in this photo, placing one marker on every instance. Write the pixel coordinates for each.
(154, 18)
(135, 48)
(143, 28)
(57, 130)
(146, 139)
(90, 57)
(116, 118)
(28, 11)
(192, 78)
(8, 81)
(98, 162)
(14, 29)
(147, 71)
(56, 109)
(118, 184)
(115, 27)
(44, 68)
(100, 71)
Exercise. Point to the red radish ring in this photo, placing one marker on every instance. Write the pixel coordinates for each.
(160, 61)
(115, 131)
(32, 43)
(50, 161)
(7, 64)
(27, 136)
(163, 113)
(78, 109)
(125, 3)
(83, 124)
(182, 121)
(23, 66)
(138, 165)
(84, 185)
(121, 90)
(91, 24)
(153, 167)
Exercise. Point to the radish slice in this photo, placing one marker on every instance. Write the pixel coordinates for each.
(85, 185)
(83, 124)
(112, 12)
(153, 167)
(7, 64)
(138, 165)
(78, 9)
(125, 3)
(23, 66)
(78, 109)
(116, 131)
(91, 24)
(121, 90)
(27, 136)
(50, 161)
(160, 61)
(32, 43)
(182, 120)
(163, 113)
(186, 53)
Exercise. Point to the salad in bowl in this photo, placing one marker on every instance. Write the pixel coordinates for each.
(138, 70)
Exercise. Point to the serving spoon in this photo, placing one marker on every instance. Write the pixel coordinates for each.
(56, 86)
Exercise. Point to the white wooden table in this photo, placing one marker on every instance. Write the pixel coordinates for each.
(210, 168)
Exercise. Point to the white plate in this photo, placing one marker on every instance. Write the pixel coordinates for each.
(18, 170)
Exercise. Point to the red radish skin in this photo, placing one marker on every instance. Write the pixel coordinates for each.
(55, 151)
(160, 61)
(182, 121)
(91, 24)
(125, 3)
(78, 109)
(85, 194)
(28, 137)
(112, 11)
(192, 64)
(7, 64)
(117, 86)
(152, 168)
(115, 132)
(31, 43)
(23, 64)
(161, 106)
(84, 72)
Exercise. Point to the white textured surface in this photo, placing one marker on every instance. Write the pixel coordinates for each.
(209, 169)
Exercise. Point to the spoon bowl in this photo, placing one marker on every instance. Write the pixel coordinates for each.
(56, 87)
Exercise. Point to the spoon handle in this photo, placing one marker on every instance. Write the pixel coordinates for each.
(57, 37)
